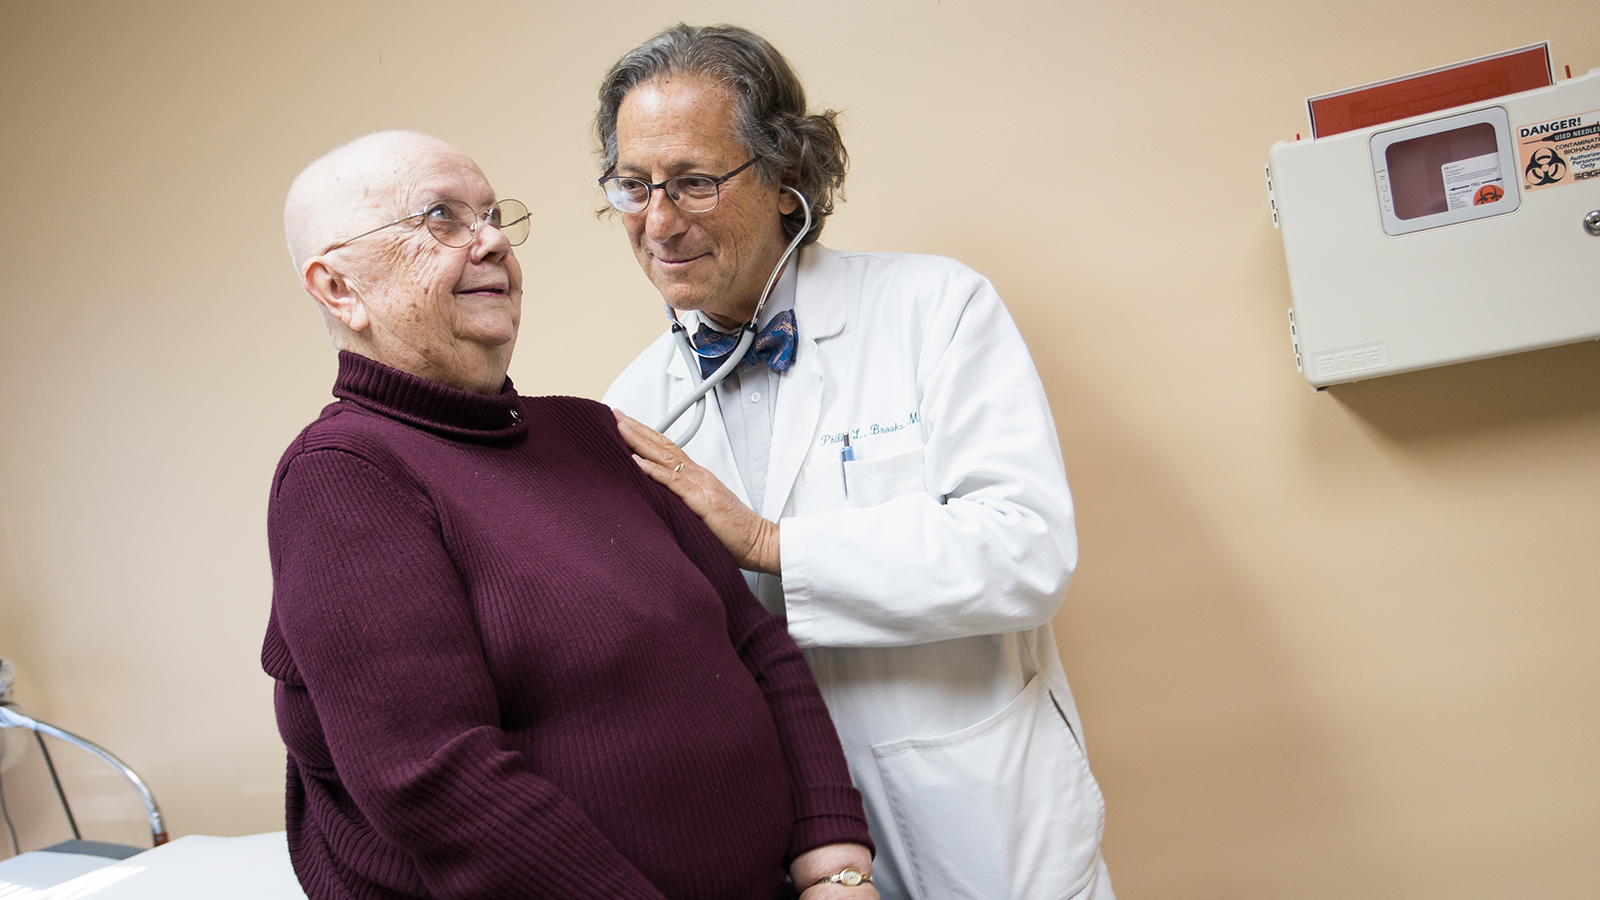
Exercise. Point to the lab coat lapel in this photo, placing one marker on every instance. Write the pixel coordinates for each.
(709, 447)
(819, 311)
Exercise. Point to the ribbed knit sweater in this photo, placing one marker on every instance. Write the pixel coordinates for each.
(510, 665)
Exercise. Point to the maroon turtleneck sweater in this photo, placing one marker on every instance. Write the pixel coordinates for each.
(510, 665)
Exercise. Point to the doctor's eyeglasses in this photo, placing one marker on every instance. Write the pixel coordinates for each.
(454, 223)
(690, 193)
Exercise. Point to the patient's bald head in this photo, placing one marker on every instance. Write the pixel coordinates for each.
(352, 188)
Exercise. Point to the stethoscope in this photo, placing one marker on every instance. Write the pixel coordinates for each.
(691, 356)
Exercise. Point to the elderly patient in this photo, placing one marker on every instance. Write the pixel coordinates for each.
(508, 664)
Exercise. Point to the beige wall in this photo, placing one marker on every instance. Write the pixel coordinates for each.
(1326, 645)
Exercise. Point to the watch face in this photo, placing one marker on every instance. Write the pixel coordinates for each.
(850, 877)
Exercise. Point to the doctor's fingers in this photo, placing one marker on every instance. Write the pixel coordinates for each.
(699, 489)
(650, 444)
(751, 539)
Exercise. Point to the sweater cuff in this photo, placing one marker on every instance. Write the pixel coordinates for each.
(820, 831)
(828, 814)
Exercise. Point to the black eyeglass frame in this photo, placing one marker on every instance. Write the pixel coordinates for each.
(478, 219)
(649, 189)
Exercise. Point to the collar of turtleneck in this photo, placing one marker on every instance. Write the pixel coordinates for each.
(428, 405)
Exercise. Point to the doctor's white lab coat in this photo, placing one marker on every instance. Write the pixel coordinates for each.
(922, 594)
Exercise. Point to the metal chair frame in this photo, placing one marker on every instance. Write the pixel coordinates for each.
(11, 718)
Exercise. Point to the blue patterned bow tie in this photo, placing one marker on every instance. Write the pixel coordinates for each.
(774, 345)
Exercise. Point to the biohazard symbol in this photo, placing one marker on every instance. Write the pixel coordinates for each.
(1545, 167)
(1489, 193)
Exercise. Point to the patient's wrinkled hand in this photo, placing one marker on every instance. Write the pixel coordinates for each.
(828, 860)
(839, 892)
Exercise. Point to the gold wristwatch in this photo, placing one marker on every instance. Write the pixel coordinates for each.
(848, 877)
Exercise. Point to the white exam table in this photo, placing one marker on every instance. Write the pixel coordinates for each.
(197, 867)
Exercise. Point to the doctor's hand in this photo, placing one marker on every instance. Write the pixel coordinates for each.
(752, 540)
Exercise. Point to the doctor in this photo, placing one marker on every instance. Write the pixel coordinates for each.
(884, 466)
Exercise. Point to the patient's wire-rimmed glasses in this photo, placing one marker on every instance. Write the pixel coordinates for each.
(454, 223)
(690, 193)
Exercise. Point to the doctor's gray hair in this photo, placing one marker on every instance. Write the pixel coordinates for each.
(803, 150)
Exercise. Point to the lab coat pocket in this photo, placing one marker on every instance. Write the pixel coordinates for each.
(857, 483)
(1003, 808)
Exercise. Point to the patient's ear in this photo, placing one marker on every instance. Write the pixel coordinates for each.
(334, 293)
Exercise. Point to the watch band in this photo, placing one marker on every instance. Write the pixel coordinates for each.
(849, 877)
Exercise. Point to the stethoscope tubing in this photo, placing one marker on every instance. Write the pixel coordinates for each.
(691, 358)
(705, 386)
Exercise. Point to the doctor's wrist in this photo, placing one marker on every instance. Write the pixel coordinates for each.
(765, 555)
